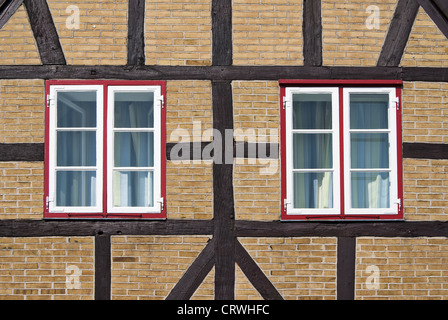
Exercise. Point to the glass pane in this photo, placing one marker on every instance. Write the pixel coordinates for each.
(133, 189)
(76, 188)
(369, 111)
(134, 110)
(313, 151)
(312, 111)
(76, 109)
(313, 190)
(76, 148)
(134, 149)
(370, 190)
(370, 150)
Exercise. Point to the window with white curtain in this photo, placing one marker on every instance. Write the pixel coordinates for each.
(104, 154)
(341, 153)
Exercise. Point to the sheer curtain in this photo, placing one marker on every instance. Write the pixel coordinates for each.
(76, 149)
(369, 139)
(312, 151)
(133, 150)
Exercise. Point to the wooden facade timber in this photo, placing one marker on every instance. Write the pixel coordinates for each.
(224, 251)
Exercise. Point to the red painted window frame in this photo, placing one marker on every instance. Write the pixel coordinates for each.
(104, 214)
(341, 84)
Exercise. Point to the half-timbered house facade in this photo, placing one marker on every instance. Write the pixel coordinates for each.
(219, 149)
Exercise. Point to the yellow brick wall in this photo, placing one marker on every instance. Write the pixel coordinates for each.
(21, 190)
(147, 268)
(424, 112)
(17, 44)
(257, 119)
(427, 46)
(22, 111)
(267, 32)
(299, 268)
(346, 39)
(47, 268)
(178, 32)
(425, 189)
(401, 268)
(101, 35)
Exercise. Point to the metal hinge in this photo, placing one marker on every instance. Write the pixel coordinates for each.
(284, 103)
(398, 202)
(162, 203)
(47, 202)
(396, 100)
(48, 100)
(285, 204)
(162, 102)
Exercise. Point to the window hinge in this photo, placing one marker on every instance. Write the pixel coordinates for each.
(162, 203)
(285, 205)
(284, 103)
(162, 102)
(398, 202)
(48, 100)
(396, 100)
(47, 202)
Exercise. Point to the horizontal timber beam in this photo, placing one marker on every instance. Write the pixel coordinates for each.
(42, 228)
(341, 229)
(226, 73)
(81, 228)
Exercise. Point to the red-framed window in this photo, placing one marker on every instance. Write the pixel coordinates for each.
(341, 150)
(105, 149)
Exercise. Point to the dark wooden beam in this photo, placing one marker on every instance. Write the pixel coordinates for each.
(7, 9)
(437, 14)
(195, 274)
(136, 32)
(255, 275)
(341, 229)
(22, 152)
(222, 50)
(85, 228)
(224, 73)
(44, 31)
(425, 151)
(346, 268)
(398, 34)
(103, 270)
(223, 199)
(312, 32)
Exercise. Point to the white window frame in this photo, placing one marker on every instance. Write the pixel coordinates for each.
(289, 202)
(392, 131)
(341, 162)
(53, 168)
(158, 100)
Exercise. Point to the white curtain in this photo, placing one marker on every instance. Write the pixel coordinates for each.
(312, 189)
(369, 150)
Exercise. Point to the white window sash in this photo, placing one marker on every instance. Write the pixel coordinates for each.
(290, 210)
(156, 208)
(53, 152)
(393, 208)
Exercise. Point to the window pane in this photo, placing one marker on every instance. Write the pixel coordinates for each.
(76, 109)
(134, 110)
(313, 190)
(134, 149)
(76, 188)
(370, 150)
(313, 151)
(370, 190)
(133, 189)
(76, 148)
(369, 111)
(312, 111)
